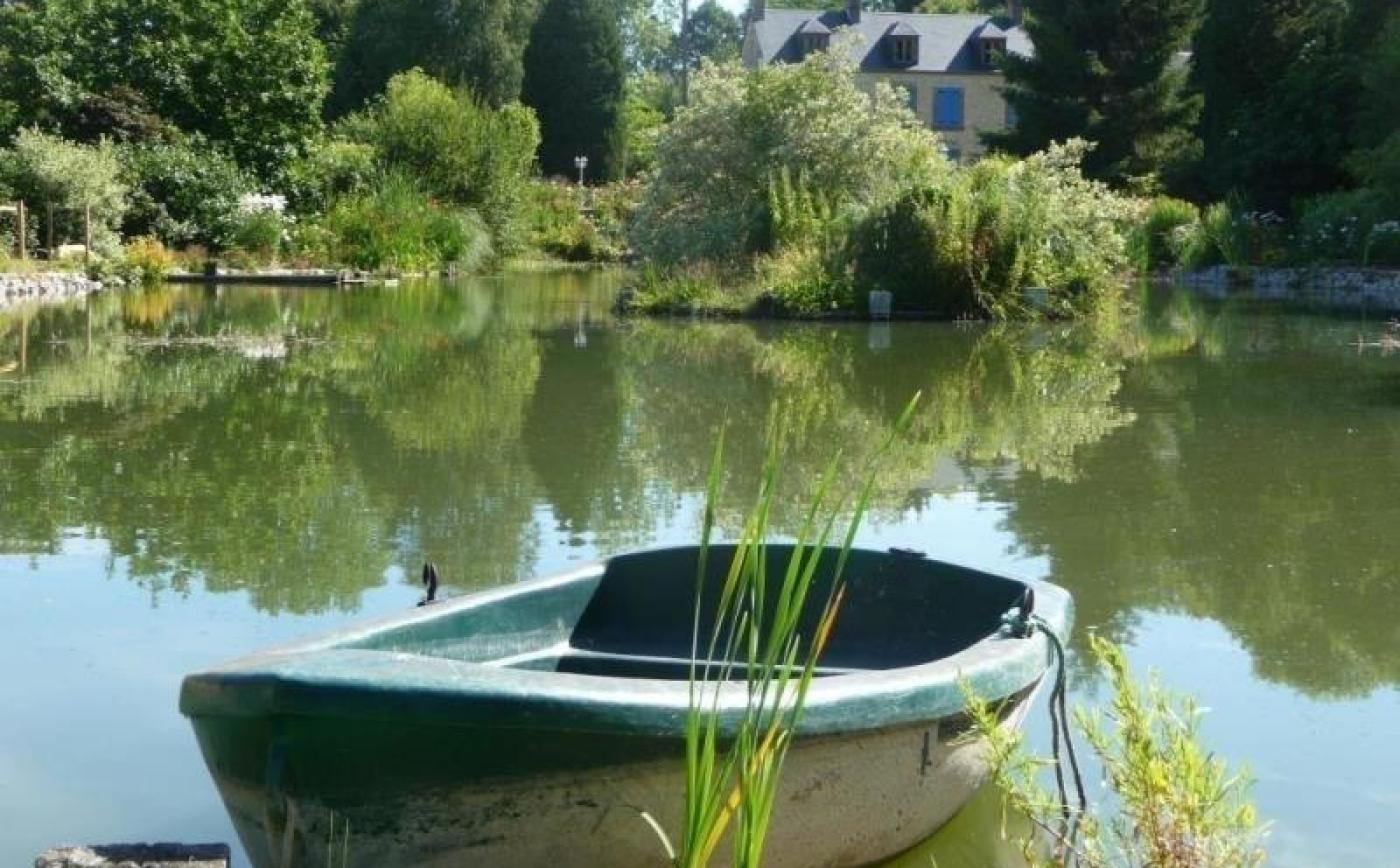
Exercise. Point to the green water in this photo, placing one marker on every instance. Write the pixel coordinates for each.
(187, 475)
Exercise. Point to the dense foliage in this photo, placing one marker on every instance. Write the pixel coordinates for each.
(457, 147)
(574, 80)
(1108, 71)
(397, 226)
(708, 198)
(248, 74)
(183, 191)
(475, 43)
(976, 244)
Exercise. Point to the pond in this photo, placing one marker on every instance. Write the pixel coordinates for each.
(189, 474)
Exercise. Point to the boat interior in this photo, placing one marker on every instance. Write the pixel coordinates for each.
(634, 616)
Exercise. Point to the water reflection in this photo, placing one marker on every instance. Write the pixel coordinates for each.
(295, 445)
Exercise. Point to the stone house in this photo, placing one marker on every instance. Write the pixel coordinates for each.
(948, 65)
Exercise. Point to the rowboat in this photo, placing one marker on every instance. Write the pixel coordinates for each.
(533, 724)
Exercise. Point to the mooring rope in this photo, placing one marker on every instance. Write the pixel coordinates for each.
(1060, 730)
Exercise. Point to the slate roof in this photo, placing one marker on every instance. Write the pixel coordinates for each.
(947, 43)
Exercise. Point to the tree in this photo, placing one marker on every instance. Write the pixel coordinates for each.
(712, 33)
(249, 74)
(73, 179)
(478, 43)
(574, 79)
(1266, 67)
(1107, 71)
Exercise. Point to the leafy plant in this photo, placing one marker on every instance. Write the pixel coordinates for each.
(1159, 240)
(184, 191)
(1176, 804)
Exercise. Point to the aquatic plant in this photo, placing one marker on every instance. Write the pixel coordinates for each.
(732, 778)
(1175, 804)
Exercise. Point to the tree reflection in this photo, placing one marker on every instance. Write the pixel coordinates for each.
(295, 445)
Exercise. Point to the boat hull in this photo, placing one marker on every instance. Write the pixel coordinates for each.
(438, 798)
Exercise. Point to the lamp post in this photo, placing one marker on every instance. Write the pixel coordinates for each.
(580, 163)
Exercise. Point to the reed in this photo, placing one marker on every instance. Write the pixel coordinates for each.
(755, 651)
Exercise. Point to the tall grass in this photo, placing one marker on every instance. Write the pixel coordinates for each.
(733, 772)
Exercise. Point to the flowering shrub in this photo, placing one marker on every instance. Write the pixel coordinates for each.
(708, 198)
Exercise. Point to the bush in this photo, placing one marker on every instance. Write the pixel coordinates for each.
(148, 259)
(184, 192)
(709, 195)
(558, 226)
(1340, 227)
(258, 232)
(800, 281)
(975, 244)
(398, 227)
(1158, 241)
(455, 147)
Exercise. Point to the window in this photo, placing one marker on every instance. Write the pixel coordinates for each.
(814, 42)
(991, 52)
(948, 108)
(1012, 119)
(904, 50)
(953, 154)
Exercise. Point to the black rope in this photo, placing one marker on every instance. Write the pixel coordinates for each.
(1060, 730)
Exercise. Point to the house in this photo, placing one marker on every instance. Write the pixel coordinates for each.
(948, 65)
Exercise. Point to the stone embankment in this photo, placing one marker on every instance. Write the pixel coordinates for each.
(17, 289)
(1371, 290)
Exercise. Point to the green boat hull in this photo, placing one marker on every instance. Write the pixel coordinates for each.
(534, 724)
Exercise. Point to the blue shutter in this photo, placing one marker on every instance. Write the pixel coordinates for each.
(948, 108)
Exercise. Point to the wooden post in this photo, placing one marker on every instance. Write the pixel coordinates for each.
(87, 233)
(24, 342)
(50, 225)
(23, 233)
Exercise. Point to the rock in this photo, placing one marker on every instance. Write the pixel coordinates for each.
(136, 856)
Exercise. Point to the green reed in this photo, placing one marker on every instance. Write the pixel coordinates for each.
(733, 769)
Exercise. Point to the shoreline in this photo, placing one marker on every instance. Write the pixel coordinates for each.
(56, 287)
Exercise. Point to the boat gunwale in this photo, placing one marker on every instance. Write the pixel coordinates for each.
(322, 677)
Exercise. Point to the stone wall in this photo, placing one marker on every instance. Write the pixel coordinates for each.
(16, 289)
(1374, 290)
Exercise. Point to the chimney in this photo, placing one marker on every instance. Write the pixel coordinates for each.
(853, 11)
(1016, 11)
(758, 10)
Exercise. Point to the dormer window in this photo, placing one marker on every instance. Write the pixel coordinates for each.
(991, 50)
(902, 43)
(813, 36)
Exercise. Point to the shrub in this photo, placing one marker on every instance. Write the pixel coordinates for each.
(1176, 804)
(801, 281)
(558, 226)
(1339, 227)
(455, 147)
(148, 259)
(258, 232)
(1157, 241)
(709, 195)
(396, 226)
(184, 192)
(974, 245)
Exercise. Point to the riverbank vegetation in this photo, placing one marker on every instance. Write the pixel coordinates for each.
(754, 208)
(335, 116)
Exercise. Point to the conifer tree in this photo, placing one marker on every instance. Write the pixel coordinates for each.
(574, 78)
(1111, 72)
